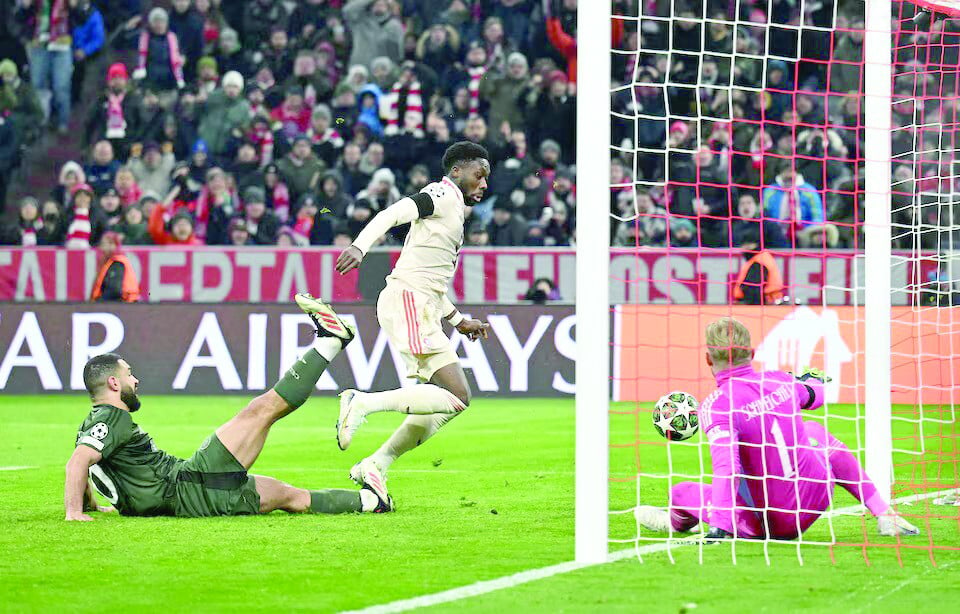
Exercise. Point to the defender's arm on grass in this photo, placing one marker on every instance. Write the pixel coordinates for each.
(76, 488)
(403, 211)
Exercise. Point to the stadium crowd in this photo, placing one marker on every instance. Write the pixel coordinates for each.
(272, 122)
(761, 112)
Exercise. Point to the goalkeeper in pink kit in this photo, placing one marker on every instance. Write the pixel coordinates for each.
(773, 472)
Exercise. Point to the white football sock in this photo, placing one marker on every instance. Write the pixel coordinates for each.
(421, 400)
(414, 431)
(368, 501)
(327, 347)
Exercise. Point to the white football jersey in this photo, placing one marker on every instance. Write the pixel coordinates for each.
(429, 255)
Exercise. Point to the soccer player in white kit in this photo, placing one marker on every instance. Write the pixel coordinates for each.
(411, 307)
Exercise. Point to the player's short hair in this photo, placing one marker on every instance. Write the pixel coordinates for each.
(728, 343)
(463, 152)
(98, 369)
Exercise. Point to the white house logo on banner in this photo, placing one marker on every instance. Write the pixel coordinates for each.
(791, 344)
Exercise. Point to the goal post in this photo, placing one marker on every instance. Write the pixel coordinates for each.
(716, 120)
(878, 80)
(593, 294)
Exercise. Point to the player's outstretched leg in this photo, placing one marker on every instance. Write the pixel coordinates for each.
(246, 433)
(447, 394)
(846, 471)
(277, 495)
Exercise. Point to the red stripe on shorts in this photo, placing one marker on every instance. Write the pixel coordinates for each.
(413, 328)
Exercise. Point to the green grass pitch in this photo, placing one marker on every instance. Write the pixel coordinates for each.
(490, 496)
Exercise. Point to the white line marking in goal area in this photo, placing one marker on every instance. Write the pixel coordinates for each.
(530, 575)
(16, 468)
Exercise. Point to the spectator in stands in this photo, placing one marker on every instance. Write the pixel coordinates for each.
(127, 186)
(70, 175)
(214, 207)
(552, 111)
(501, 91)
(505, 229)
(542, 290)
(300, 169)
(85, 225)
(800, 207)
(438, 47)
(260, 17)
(559, 228)
(134, 227)
(291, 118)
(245, 169)
(230, 54)
(332, 197)
(224, 117)
(9, 155)
(683, 233)
(382, 190)
(326, 141)
(261, 223)
(102, 168)
(308, 21)
(477, 235)
(649, 227)
(27, 231)
(45, 25)
(116, 280)
(54, 230)
(565, 42)
(187, 23)
(20, 104)
(110, 209)
(376, 32)
(238, 233)
(116, 115)
(160, 65)
(86, 27)
(213, 20)
(276, 192)
(748, 228)
(152, 170)
(180, 232)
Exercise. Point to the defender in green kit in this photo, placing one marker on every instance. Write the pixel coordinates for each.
(127, 468)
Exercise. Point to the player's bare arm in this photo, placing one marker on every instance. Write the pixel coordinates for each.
(76, 485)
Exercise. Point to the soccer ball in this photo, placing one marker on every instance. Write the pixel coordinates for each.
(675, 416)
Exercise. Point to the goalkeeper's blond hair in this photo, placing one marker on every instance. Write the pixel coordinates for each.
(728, 343)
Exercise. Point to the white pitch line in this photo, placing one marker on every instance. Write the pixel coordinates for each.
(530, 575)
(16, 467)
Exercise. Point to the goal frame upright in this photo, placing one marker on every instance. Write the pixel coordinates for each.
(877, 103)
(592, 465)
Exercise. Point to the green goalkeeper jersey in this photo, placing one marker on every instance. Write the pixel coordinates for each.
(133, 474)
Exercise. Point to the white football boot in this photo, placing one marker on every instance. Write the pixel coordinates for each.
(326, 320)
(368, 473)
(653, 518)
(350, 418)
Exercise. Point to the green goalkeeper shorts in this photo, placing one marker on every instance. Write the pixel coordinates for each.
(214, 483)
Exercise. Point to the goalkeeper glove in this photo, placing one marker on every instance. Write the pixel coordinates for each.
(715, 535)
(813, 373)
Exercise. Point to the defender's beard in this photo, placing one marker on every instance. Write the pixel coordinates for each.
(130, 398)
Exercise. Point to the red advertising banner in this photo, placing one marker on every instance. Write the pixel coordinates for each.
(659, 348)
(501, 276)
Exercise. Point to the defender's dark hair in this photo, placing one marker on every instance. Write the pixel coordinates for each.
(98, 369)
(462, 152)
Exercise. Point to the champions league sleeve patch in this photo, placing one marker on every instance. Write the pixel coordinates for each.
(99, 431)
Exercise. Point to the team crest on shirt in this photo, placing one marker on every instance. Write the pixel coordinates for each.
(427, 343)
(99, 430)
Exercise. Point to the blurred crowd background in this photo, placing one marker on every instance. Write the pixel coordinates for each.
(272, 122)
(739, 123)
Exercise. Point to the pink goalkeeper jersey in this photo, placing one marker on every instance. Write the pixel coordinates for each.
(761, 456)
